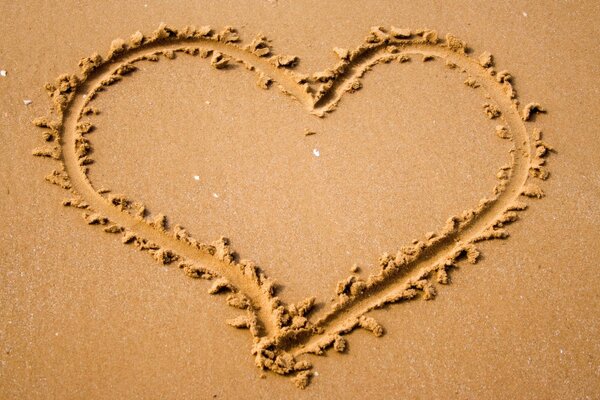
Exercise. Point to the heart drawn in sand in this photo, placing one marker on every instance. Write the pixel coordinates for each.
(284, 332)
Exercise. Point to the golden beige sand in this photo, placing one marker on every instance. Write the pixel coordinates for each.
(283, 332)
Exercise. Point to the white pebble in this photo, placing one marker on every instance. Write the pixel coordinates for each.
(3, 72)
(316, 152)
(196, 178)
(524, 14)
(216, 196)
(27, 102)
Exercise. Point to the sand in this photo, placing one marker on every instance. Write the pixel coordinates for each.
(410, 189)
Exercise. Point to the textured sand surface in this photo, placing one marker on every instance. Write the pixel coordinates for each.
(306, 198)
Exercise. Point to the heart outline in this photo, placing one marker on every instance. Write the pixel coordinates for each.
(277, 346)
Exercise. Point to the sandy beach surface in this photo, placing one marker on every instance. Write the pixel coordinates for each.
(329, 144)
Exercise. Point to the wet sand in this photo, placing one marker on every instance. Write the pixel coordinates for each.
(404, 185)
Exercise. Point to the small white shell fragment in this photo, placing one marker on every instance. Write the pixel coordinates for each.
(27, 102)
(216, 196)
(3, 72)
(316, 152)
(196, 178)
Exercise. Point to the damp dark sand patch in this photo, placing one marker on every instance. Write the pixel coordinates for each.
(283, 332)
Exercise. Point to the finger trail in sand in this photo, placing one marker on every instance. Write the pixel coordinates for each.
(283, 332)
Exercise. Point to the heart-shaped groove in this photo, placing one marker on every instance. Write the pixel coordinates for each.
(283, 332)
